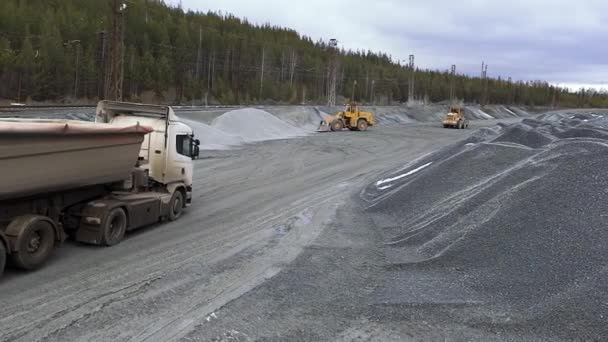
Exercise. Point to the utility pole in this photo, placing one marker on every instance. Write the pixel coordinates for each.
(484, 85)
(511, 96)
(452, 81)
(146, 11)
(410, 94)
(292, 66)
(372, 92)
(486, 96)
(333, 72)
(262, 75)
(199, 55)
(101, 64)
(352, 97)
(114, 66)
(76, 76)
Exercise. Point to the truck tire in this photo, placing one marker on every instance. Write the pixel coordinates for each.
(114, 227)
(34, 243)
(2, 257)
(176, 206)
(337, 125)
(362, 125)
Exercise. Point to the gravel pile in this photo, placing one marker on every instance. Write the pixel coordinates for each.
(212, 138)
(254, 125)
(514, 218)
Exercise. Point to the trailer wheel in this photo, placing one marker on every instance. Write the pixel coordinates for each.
(2, 257)
(35, 241)
(114, 227)
(176, 206)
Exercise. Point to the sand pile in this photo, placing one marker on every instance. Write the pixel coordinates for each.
(514, 218)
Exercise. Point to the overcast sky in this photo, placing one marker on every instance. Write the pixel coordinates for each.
(561, 41)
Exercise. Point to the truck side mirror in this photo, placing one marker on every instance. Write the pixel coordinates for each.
(196, 148)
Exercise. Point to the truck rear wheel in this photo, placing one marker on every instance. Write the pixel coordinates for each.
(114, 227)
(176, 206)
(362, 125)
(35, 241)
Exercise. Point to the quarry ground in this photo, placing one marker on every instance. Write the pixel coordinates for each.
(406, 232)
(280, 209)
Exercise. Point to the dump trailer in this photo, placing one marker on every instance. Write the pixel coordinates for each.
(90, 181)
(455, 119)
(352, 118)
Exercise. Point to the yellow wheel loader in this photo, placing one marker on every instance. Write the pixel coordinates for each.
(455, 119)
(351, 118)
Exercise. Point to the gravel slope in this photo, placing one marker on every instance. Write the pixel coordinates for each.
(512, 220)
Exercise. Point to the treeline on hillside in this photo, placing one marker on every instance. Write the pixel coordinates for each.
(54, 50)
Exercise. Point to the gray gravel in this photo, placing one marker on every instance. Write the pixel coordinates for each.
(514, 223)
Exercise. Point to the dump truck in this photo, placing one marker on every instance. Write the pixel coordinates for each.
(455, 119)
(352, 118)
(92, 181)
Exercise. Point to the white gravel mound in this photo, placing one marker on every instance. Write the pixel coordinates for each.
(212, 138)
(255, 125)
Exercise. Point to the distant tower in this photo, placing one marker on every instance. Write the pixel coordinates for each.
(114, 62)
(484, 84)
(411, 66)
(486, 96)
(452, 83)
(333, 72)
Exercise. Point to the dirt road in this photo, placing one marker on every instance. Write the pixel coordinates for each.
(254, 210)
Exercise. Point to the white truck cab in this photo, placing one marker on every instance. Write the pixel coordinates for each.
(167, 152)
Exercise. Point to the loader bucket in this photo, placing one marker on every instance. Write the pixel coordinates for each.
(324, 126)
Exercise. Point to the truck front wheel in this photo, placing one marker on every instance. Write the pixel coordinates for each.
(176, 206)
(114, 227)
(35, 241)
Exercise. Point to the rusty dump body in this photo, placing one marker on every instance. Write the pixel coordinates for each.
(41, 156)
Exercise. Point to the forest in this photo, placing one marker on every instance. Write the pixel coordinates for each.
(56, 51)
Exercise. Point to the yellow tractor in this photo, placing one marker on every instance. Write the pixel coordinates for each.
(455, 119)
(351, 118)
